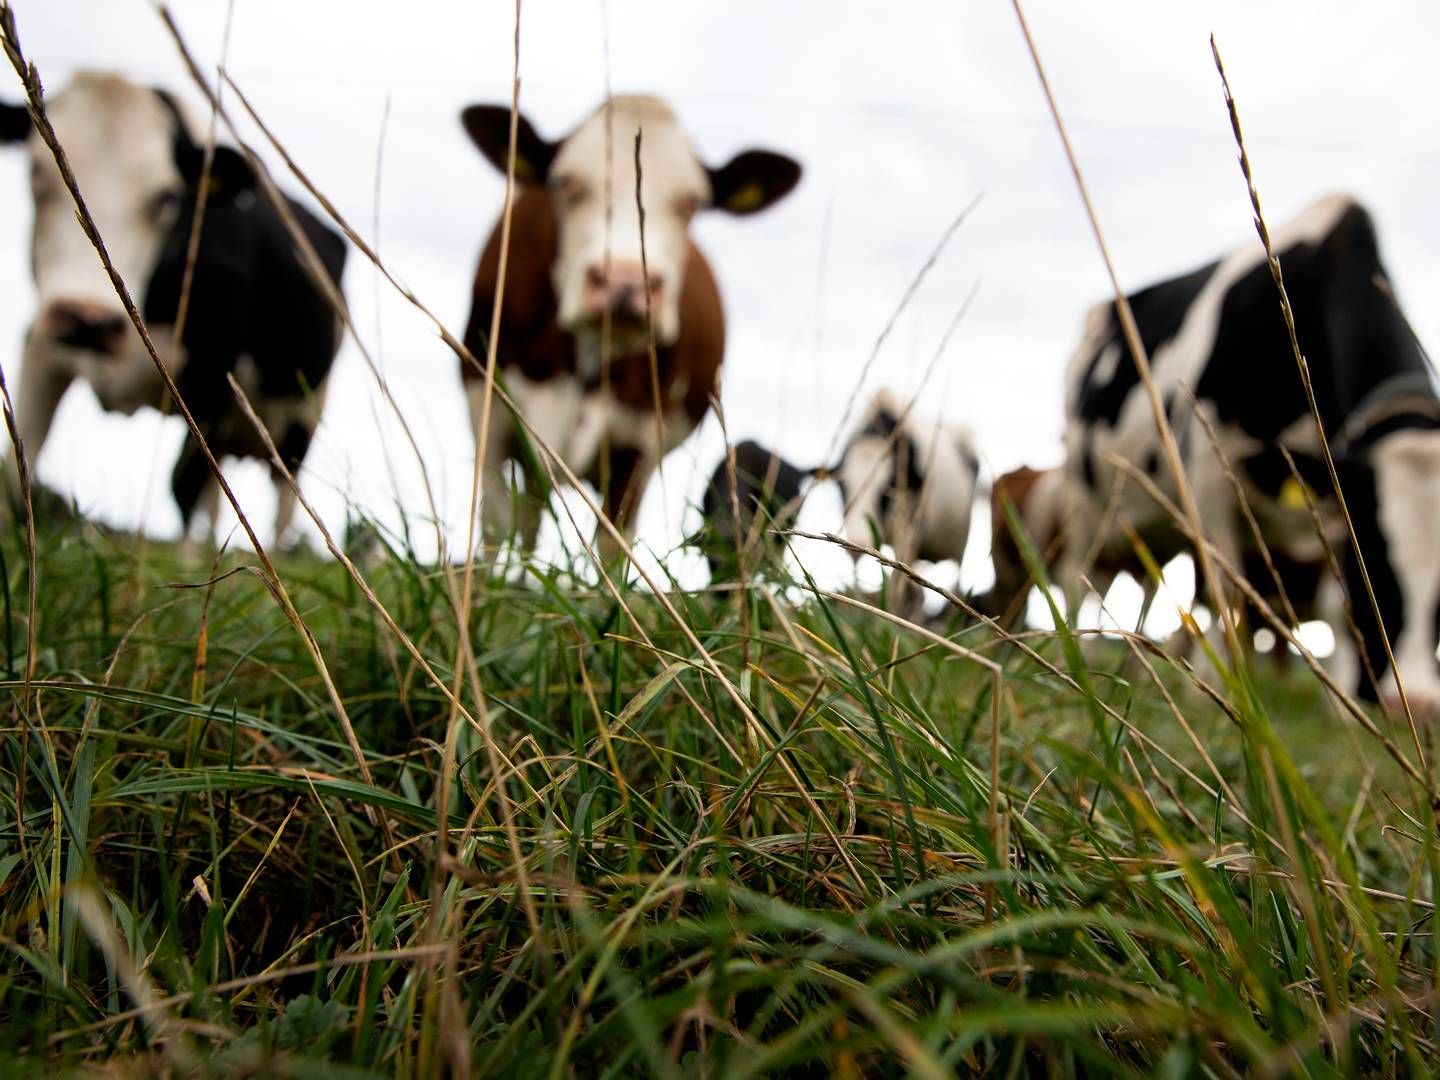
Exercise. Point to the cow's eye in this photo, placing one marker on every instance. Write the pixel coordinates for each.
(569, 191)
(40, 187)
(163, 202)
(687, 206)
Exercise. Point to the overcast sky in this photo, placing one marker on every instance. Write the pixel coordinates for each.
(901, 113)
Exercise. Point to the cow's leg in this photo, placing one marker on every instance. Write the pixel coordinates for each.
(903, 534)
(1343, 663)
(209, 506)
(43, 382)
(294, 444)
(193, 485)
(630, 469)
(1407, 481)
(1215, 501)
(498, 503)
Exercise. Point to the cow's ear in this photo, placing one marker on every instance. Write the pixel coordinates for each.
(14, 123)
(489, 129)
(753, 180)
(230, 171)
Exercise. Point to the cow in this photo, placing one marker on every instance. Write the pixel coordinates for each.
(1037, 498)
(907, 483)
(740, 510)
(253, 311)
(1221, 353)
(589, 302)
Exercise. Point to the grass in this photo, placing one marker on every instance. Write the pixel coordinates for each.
(712, 833)
(832, 886)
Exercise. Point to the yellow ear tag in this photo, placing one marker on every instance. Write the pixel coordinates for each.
(746, 198)
(1292, 495)
(523, 169)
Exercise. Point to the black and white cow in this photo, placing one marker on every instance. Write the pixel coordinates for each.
(765, 494)
(253, 310)
(1218, 333)
(908, 483)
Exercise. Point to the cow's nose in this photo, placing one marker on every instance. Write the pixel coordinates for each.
(621, 287)
(84, 325)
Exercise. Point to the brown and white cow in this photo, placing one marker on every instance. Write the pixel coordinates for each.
(1037, 499)
(583, 298)
(253, 310)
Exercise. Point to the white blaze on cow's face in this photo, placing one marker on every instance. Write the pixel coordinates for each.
(604, 274)
(120, 141)
(601, 265)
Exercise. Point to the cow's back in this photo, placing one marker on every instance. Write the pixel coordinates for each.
(251, 297)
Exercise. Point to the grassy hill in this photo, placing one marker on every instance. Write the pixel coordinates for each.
(785, 837)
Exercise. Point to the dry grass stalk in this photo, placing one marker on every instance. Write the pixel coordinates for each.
(744, 538)
(27, 710)
(554, 464)
(1141, 358)
(457, 1047)
(997, 683)
(1304, 368)
(1333, 562)
(930, 368)
(650, 350)
(31, 79)
(153, 1011)
(465, 662)
(1281, 629)
(905, 299)
(319, 278)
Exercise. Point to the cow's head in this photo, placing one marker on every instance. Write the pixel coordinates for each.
(877, 465)
(591, 175)
(138, 167)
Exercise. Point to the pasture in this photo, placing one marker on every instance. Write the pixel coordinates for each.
(382, 804)
(846, 847)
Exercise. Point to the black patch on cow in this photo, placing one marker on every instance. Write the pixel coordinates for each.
(230, 171)
(1408, 420)
(1159, 312)
(250, 296)
(881, 423)
(753, 465)
(905, 474)
(1352, 334)
(1349, 329)
(294, 445)
(1087, 461)
(188, 479)
(1267, 472)
(1358, 482)
(1299, 578)
(14, 123)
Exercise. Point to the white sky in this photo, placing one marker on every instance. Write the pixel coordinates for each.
(901, 114)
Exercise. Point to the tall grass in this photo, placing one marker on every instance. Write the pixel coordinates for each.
(250, 825)
(867, 878)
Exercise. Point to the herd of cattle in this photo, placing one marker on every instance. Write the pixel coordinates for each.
(611, 336)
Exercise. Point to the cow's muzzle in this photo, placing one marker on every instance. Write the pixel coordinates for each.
(620, 291)
(79, 324)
